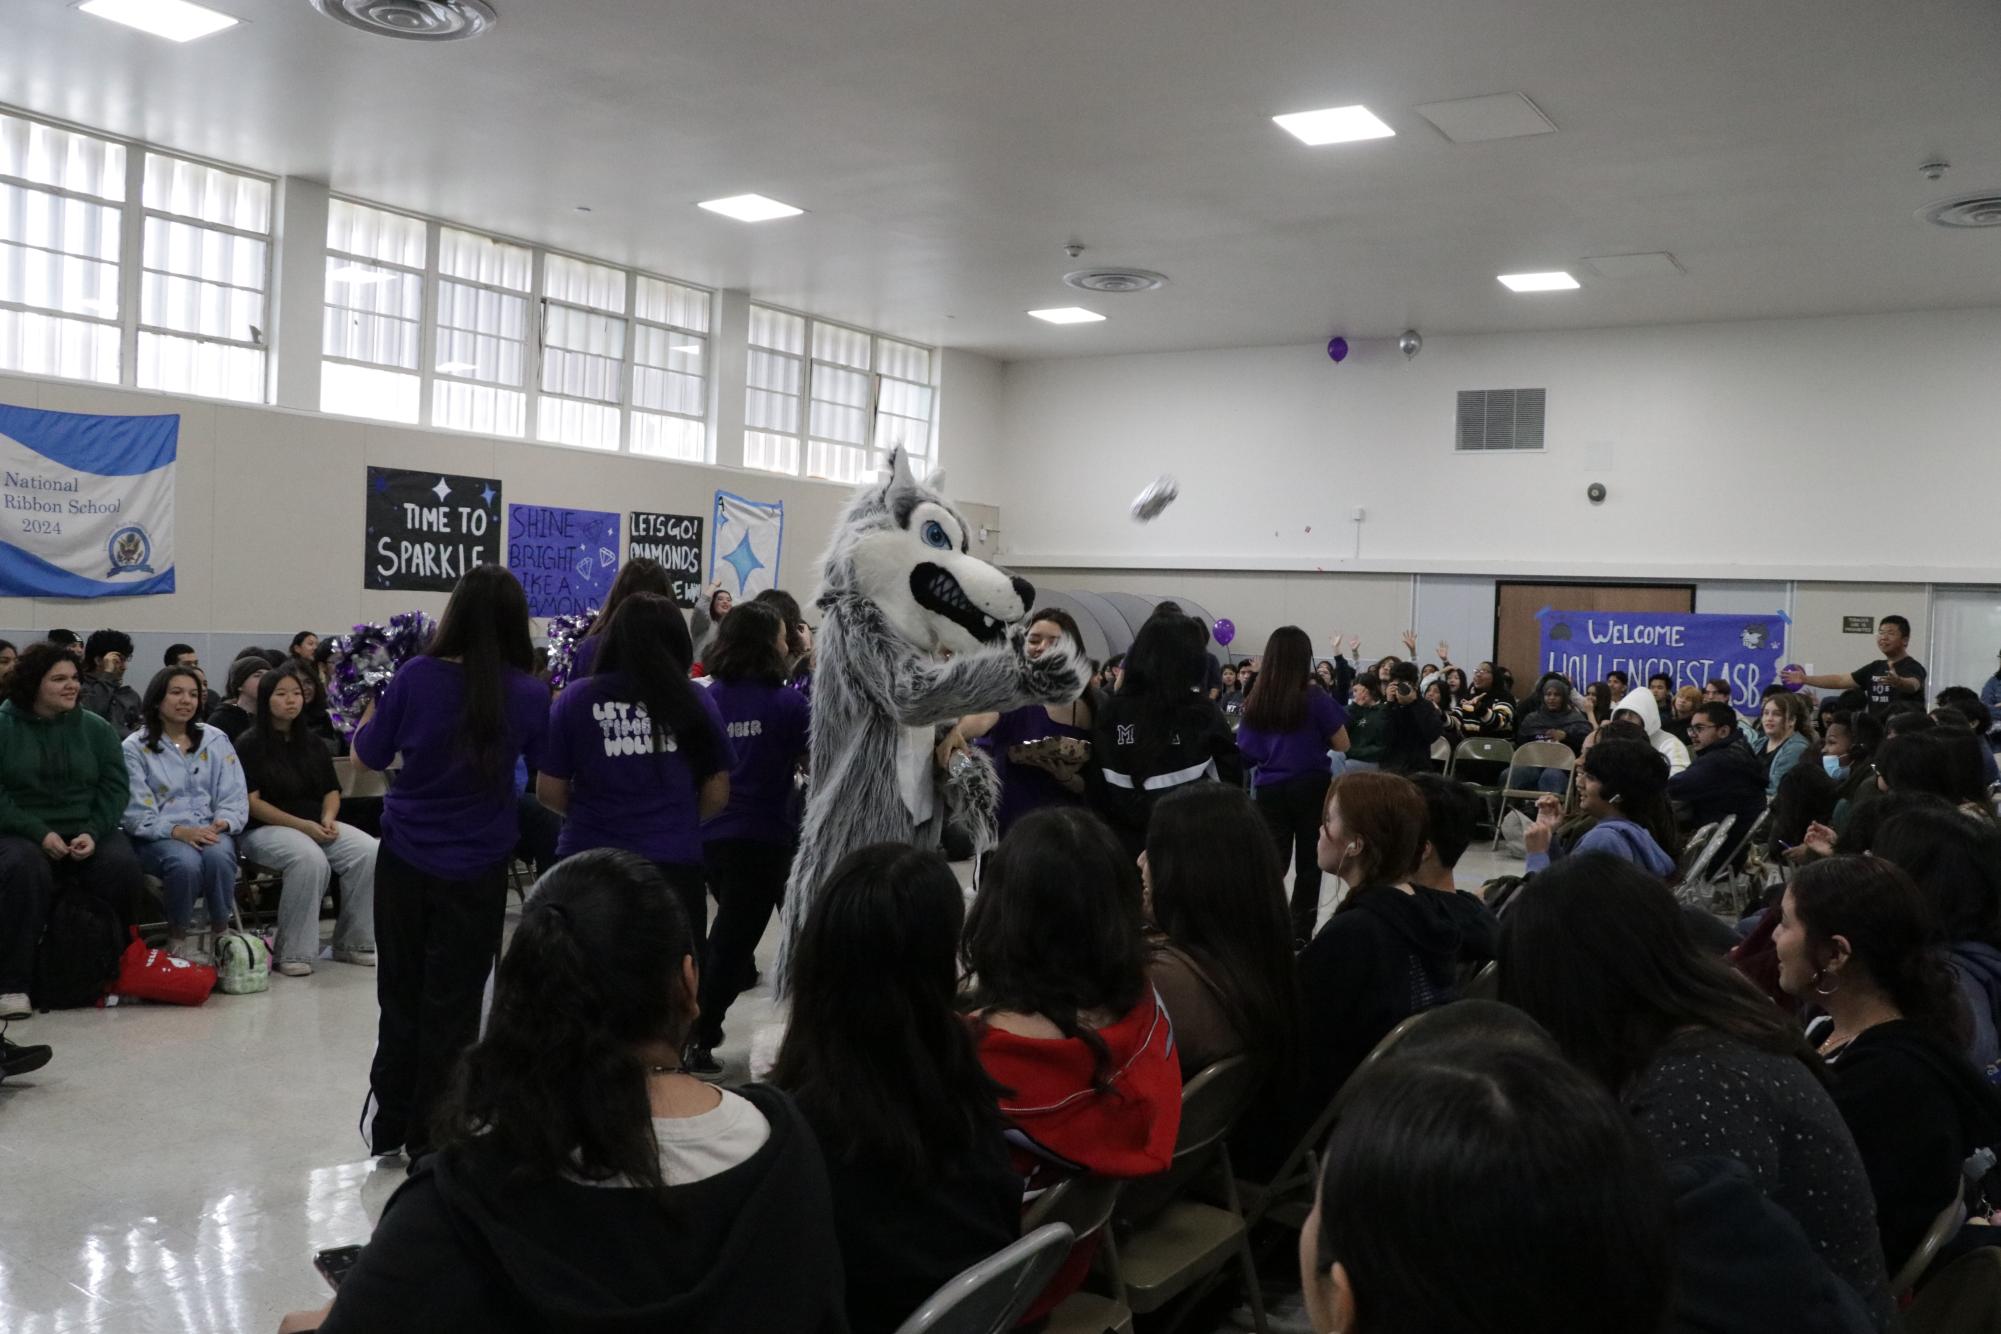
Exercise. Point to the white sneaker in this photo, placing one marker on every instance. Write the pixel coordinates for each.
(14, 1005)
(359, 958)
(293, 968)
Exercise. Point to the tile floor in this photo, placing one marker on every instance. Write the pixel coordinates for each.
(176, 1169)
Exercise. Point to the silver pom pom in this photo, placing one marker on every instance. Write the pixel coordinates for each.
(1159, 494)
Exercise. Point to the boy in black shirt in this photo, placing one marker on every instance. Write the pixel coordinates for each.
(1892, 678)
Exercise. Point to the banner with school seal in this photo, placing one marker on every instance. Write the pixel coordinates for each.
(86, 504)
(1747, 650)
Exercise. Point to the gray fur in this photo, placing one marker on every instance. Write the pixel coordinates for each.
(878, 674)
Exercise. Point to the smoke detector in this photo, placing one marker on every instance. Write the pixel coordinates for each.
(1115, 280)
(413, 20)
(1971, 211)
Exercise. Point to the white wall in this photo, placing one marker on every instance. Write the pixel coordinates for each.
(1807, 423)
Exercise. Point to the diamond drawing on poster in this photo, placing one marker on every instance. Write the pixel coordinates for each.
(749, 538)
(565, 559)
(86, 503)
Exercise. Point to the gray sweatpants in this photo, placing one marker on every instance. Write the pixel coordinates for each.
(307, 866)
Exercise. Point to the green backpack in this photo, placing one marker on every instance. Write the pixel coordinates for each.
(242, 962)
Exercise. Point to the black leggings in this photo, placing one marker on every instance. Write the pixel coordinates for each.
(748, 878)
(1292, 811)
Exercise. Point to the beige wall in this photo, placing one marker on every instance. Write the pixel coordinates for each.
(1818, 641)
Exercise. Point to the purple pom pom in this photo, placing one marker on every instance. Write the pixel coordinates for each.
(565, 633)
(363, 661)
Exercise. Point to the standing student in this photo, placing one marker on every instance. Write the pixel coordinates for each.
(637, 758)
(748, 848)
(188, 804)
(460, 716)
(1039, 750)
(1894, 678)
(641, 574)
(1160, 732)
(1289, 725)
(708, 615)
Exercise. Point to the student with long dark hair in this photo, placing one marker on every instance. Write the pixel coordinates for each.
(1955, 859)
(637, 758)
(707, 617)
(1160, 732)
(747, 850)
(188, 804)
(1223, 963)
(886, 1073)
(1598, 952)
(583, 1180)
(1289, 725)
(1067, 1024)
(460, 715)
(1040, 751)
(641, 574)
(296, 830)
(1856, 941)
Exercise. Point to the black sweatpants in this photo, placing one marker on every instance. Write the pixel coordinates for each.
(748, 878)
(29, 882)
(436, 942)
(1292, 811)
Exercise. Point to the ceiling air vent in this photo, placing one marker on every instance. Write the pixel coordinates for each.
(413, 20)
(1972, 211)
(1115, 280)
(1491, 419)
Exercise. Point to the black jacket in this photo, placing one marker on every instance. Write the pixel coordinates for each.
(462, 1247)
(1140, 754)
(113, 701)
(1721, 780)
(1408, 731)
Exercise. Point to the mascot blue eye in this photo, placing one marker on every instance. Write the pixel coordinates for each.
(934, 535)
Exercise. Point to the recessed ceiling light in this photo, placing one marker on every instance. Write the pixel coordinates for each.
(750, 208)
(1068, 315)
(175, 20)
(1474, 120)
(1653, 264)
(1333, 125)
(1538, 282)
(355, 276)
(456, 367)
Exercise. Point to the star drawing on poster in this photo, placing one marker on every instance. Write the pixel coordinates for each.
(743, 560)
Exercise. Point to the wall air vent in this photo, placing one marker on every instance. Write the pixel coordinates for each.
(1504, 419)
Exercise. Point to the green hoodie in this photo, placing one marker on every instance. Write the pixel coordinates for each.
(64, 774)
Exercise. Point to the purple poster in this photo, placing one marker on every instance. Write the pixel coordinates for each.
(565, 559)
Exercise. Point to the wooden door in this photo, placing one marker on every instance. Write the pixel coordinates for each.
(1517, 637)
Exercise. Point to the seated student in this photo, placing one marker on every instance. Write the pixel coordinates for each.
(105, 693)
(1066, 1022)
(68, 641)
(8, 653)
(1486, 1190)
(1222, 962)
(1597, 951)
(1638, 706)
(886, 1074)
(1368, 720)
(1724, 777)
(1923, 759)
(1623, 786)
(233, 716)
(1855, 940)
(184, 655)
(1687, 700)
(188, 805)
(1410, 724)
(1158, 732)
(1891, 678)
(1487, 710)
(1783, 739)
(1556, 717)
(582, 1179)
(295, 830)
(63, 788)
(1956, 861)
(1451, 818)
(1848, 755)
(1965, 704)
(1964, 758)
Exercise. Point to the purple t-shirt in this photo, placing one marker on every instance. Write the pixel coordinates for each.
(623, 792)
(1281, 757)
(439, 815)
(585, 657)
(768, 725)
(1026, 787)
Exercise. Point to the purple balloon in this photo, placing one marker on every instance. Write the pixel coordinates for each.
(1791, 667)
(1337, 349)
(1225, 631)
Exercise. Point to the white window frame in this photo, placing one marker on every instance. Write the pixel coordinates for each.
(433, 303)
(129, 349)
(804, 437)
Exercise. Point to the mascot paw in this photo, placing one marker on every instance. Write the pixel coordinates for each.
(1060, 674)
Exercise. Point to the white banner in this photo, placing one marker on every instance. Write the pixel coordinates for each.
(749, 538)
(86, 504)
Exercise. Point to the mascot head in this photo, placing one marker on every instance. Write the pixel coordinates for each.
(904, 548)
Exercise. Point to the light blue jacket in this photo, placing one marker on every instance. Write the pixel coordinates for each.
(1783, 759)
(169, 788)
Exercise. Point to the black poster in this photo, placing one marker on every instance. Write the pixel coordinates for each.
(675, 540)
(426, 529)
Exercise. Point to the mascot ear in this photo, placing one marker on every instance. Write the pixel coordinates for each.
(935, 481)
(899, 473)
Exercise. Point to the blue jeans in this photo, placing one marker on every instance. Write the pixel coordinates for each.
(1553, 781)
(185, 869)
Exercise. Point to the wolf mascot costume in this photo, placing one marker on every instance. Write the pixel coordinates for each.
(916, 631)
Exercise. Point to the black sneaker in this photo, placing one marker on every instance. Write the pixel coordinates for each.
(701, 1062)
(16, 1059)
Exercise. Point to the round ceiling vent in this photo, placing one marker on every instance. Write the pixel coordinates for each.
(413, 20)
(1115, 280)
(1972, 211)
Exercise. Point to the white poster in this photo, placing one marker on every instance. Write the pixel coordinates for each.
(86, 504)
(749, 537)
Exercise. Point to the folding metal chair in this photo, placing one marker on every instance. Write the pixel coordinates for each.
(1534, 755)
(989, 1297)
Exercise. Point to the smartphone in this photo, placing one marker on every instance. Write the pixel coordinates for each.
(335, 1262)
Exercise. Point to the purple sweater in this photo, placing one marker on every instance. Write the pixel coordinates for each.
(439, 815)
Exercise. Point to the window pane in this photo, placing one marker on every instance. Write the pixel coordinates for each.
(908, 434)
(361, 391)
(48, 345)
(203, 308)
(174, 185)
(371, 313)
(772, 453)
(62, 158)
(906, 400)
(53, 222)
(583, 354)
(840, 405)
(482, 259)
(58, 282)
(583, 284)
(667, 371)
(768, 370)
(191, 366)
(669, 437)
(565, 421)
(375, 233)
(766, 411)
(673, 303)
(836, 463)
(777, 330)
(478, 407)
(844, 347)
(903, 360)
(482, 334)
(203, 252)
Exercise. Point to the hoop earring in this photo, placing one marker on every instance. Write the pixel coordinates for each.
(1820, 990)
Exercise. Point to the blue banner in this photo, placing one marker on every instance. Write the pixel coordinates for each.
(1746, 650)
(86, 504)
(564, 558)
